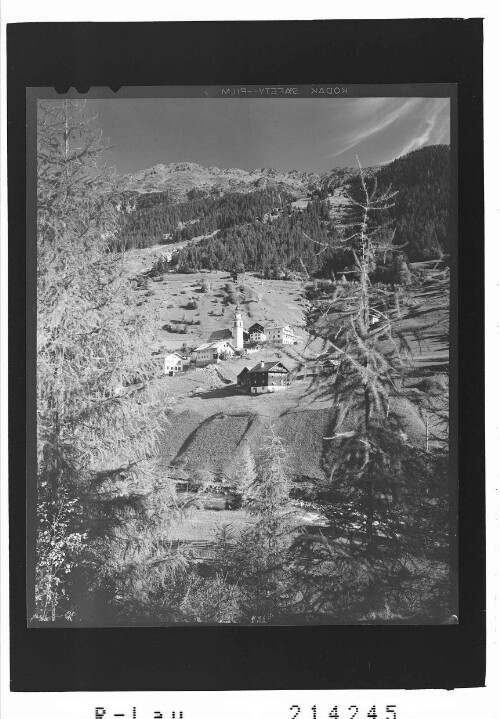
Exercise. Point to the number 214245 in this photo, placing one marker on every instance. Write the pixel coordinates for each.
(352, 712)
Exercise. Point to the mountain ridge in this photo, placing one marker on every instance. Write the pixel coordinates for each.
(179, 178)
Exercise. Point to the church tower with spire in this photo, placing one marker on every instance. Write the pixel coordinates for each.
(238, 330)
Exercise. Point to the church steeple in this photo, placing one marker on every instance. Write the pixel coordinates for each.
(238, 329)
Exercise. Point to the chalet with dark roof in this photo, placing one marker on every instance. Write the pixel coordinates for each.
(264, 377)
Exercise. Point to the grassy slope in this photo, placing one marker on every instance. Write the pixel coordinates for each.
(210, 422)
(273, 301)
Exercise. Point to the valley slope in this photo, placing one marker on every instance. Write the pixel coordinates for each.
(210, 423)
(269, 226)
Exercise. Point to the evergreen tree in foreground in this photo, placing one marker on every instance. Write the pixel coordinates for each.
(381, 483)
(98, 412)
(263, 558)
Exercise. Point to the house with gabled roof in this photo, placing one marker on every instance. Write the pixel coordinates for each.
(172, 363)
(264, 377)
(213, 352)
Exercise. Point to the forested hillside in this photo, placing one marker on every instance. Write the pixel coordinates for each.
(201, 214)
(289, 242)
(263, 231)
(421, 213)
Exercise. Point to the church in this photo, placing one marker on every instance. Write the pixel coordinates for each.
(221, 343)
(227, 342)
(236, 336)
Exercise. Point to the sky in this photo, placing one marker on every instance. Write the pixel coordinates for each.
(286, 134)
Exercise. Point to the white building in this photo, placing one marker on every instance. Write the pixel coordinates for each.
(283, 334)
(213, 352)
(173, 363)
(238, 330)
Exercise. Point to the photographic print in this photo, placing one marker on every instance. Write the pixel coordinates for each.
(243, 357)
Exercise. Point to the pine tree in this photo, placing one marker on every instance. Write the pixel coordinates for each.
(367, 375)
(246, 475)
(374, 495)
(264, 560)
(98, 409)
(242, 474)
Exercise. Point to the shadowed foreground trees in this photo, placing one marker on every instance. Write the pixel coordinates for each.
(249, 578)
(98, 413)
(385, 495)
(260, 565)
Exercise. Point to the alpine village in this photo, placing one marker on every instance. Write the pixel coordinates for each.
(242, 389)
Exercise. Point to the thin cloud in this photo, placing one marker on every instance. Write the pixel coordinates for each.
(413, 123)
(433, 129)
(379, 119)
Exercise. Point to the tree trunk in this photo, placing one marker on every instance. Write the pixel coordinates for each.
(368, 471)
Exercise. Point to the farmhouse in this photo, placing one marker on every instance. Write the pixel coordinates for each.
(264, 377)
(256, 333)
(213, 352)
(283, 334)
(173, 363)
